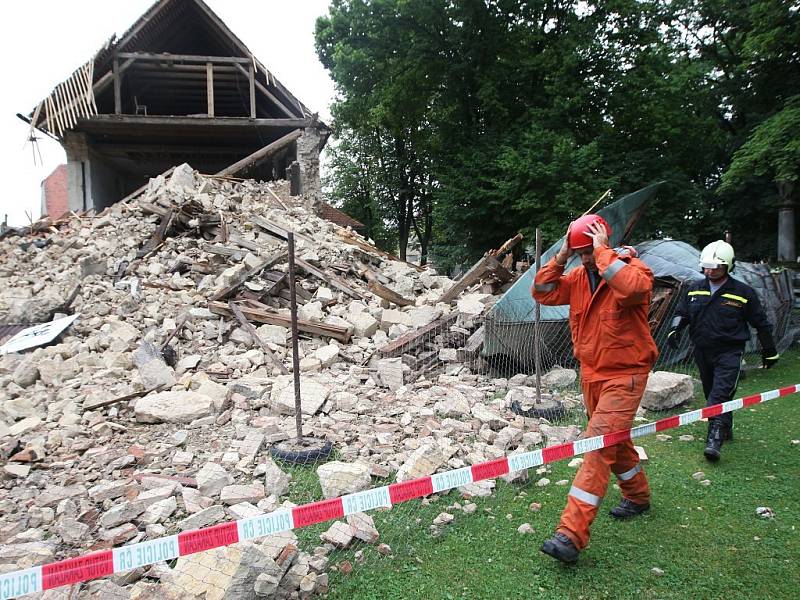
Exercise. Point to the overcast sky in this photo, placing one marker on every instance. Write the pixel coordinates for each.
(42, 43)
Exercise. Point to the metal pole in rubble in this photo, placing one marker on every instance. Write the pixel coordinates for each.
(538, 314)
(295, 343)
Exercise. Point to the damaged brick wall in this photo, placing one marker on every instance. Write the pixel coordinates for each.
(308, 158)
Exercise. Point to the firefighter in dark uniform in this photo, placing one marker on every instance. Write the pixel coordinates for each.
(718, 311)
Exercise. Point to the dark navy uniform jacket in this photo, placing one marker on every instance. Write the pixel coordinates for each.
(720, 321)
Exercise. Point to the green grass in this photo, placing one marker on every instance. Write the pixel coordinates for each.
(707, 539)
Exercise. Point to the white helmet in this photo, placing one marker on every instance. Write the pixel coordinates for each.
(717, 254)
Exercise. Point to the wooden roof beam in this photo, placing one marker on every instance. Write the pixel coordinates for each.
(267, 93)
(166, 57)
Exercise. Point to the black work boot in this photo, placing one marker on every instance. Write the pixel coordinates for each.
(627, 509)
(714, 442)
(727, 433)
(561, 548)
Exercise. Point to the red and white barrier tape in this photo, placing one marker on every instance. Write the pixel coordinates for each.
(125, 558)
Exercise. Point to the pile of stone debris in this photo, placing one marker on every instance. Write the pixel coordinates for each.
(153, 412)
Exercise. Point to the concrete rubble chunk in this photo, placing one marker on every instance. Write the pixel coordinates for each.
(312, 394)
(338, 534)
(227, 573)
(559, 378)
(16, 471)
(121, 513)
(155, 373)
(211, 479)
(203, 518)
(27, 554)
(26, 373)
(423, 315)
(454, 405)
(159, 511)
(472, 304)
(234, 494)
(364, 324)
(391, 317)
(276, 482)
(273, 334)
(244, 510)
(327, 355)
(667, 390)
(158, 494)
(489, 417)
(173, 407)
(107, 490)
(363, 527)
(390, 372)
(340, 478)
(424, 461)
(24, 426)
(443, 519)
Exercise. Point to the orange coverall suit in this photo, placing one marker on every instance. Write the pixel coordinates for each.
(611, 340)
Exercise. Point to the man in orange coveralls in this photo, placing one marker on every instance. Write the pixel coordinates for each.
(608, 308)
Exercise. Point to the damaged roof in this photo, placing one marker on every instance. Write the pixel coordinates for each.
(173, 33)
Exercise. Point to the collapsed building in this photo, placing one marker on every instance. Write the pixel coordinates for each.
(154, 412)
(177, 87)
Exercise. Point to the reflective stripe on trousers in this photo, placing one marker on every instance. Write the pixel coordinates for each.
(630, 473)
(585, 496)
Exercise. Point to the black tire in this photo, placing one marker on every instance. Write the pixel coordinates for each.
(549, 409)
(317, 451)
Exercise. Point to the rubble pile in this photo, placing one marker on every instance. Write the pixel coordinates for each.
(154, 411)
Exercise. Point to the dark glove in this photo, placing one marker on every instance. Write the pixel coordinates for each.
(769, 356)
(674, 338)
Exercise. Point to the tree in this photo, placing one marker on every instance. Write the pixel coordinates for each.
(773, 152)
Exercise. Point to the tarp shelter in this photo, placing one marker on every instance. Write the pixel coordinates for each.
(510, 325)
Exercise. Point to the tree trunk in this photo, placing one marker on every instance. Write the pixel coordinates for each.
(787, 250)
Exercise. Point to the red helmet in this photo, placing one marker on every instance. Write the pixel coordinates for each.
(577, 232)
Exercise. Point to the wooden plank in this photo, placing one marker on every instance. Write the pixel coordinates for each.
(341, 334)
(88, 405)
(248, 326)
(353, 241)
(507, 246)
(158, 236)
(264, 264)
(117, 88)
(222, 250)
(274, 195)
(149, 207)
(331, 280)
(414, 339)
(276, 286)
(178, 326)
(478, 270)
(270, 96)
(391, 296)
(230, 122)
(381, 290)
(235, 237)
(167, 57)
(474, 345)
(252, 82)
(261, 154)
(278, 231)
(210, 88)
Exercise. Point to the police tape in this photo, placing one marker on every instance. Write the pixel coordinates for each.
(125, 558)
